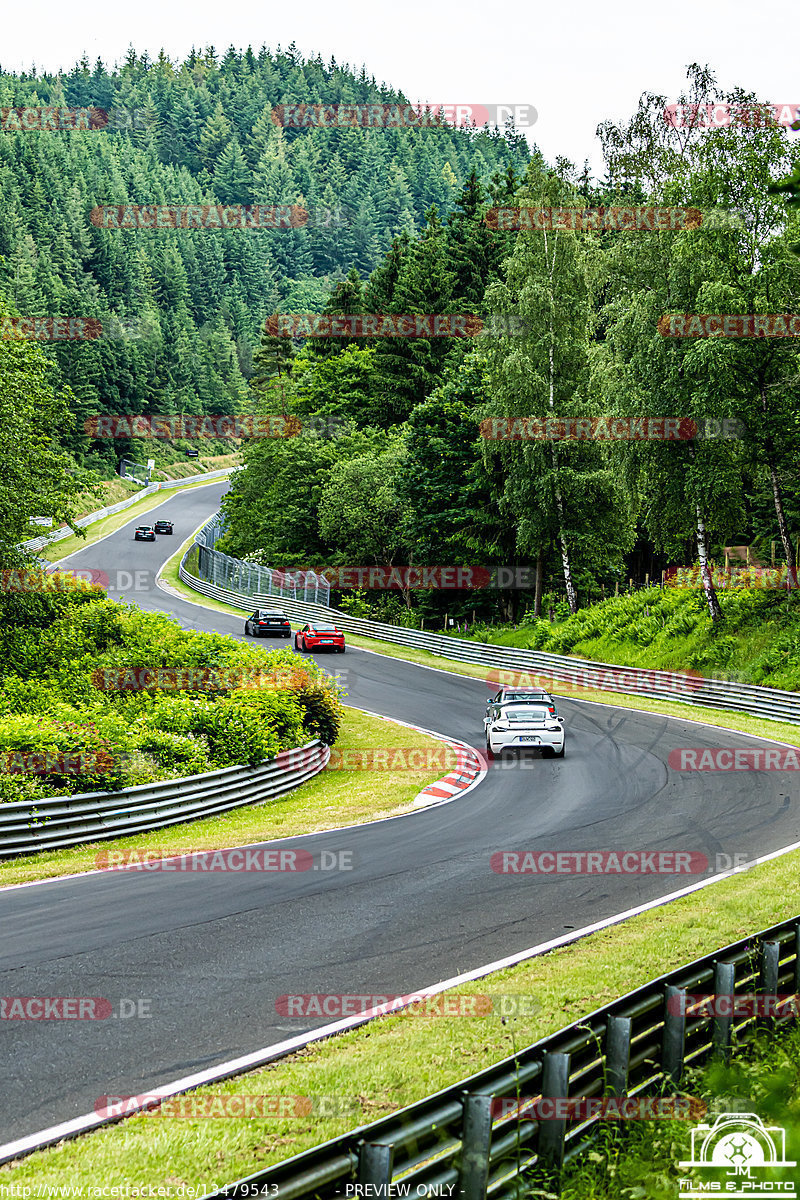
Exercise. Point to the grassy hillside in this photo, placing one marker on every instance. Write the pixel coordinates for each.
(758, 640)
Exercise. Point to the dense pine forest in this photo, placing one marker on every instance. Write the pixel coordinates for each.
(183, 314)
(393, 465)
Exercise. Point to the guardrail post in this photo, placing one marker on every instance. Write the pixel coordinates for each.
(375, 1162)
(618, 1055)
(722, 1022)
(770, 955)
(476, 1141)
(555, 1085)
(674, 1034)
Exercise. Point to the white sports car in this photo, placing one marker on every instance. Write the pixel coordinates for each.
(524, 727)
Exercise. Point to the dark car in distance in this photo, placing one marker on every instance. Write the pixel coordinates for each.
(144, 533)
(268, 622)
(521, 695)
(163, 526)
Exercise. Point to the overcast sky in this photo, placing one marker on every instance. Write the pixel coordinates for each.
(578, 62)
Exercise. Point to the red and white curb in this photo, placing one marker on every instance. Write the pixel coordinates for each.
(470, 768)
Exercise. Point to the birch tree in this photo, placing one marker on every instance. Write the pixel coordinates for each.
(560, 492)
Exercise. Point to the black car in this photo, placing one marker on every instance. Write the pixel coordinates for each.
(163, 526)
(144, 533)
(268, 622)
(521, 695)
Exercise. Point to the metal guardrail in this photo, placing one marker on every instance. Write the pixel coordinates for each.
(556, 672)
(461, 1139)
(38, 543)
(27, 827)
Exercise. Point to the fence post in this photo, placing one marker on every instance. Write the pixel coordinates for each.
(476, 1141)
(618, 1054)
(722, 1023)
(797, 958)
(375, 1165)
(770, 954)
(674, 1033)
(555, 1085)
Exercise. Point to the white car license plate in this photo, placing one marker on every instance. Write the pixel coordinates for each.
(528, 737)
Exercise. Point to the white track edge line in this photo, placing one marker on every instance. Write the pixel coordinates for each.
(238, 1066)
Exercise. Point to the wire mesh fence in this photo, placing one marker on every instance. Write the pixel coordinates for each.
(252, 579)
(135, 471)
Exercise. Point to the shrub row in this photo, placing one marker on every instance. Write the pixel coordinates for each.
(97, 696)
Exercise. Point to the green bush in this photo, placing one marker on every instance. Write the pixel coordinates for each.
(323, 711)
(237, 733)
(67, 649)
(758, 640)
(178, 753)
(65, 755)
(28, 788)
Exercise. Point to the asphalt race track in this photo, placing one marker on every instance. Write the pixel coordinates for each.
(211, 953)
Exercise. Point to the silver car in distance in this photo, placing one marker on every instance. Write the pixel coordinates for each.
(514, 727)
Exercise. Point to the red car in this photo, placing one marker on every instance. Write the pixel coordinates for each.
(315, 636)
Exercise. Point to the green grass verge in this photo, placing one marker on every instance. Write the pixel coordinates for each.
(182, 469)
(332, 799)
(100, 529)
(395, 1060)
(757, 640)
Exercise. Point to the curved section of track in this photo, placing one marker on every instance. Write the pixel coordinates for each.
(212, 953)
